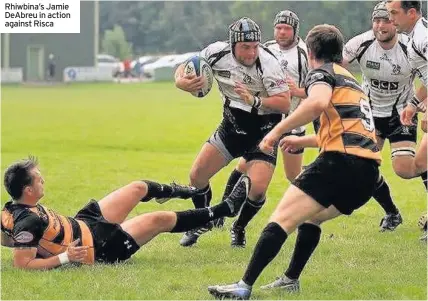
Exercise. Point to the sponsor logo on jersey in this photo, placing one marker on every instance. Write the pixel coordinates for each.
(385, 57)
(24, 237)
(316, 76)
(384, 85)
(277, 83)
(280, 82)
(396, 69)
(224, 73)
(247, 79)
(373, 65)
(284, 64)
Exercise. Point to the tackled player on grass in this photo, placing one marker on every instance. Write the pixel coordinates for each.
(99, 232)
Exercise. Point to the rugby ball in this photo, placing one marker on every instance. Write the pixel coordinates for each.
(198, 66)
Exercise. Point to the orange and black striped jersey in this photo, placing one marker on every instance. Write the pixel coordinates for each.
(44, 229)
(347, 124)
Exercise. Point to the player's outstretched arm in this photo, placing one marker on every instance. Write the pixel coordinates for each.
(294, 143)
(279, 102)
(25, 257)
(406, 116)
(310, 109)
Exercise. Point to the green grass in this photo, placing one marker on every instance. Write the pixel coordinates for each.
(92, 139)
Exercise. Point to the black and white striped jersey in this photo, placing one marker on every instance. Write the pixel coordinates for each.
(417, 49)
(294, 62)
(265, 78)
(387, 74)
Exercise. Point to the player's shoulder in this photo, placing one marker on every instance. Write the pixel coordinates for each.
(218, 46)
(324, 73)
(327, 68)
(421, 29)
(403, 38)
(302, 45)
(419, 36)
(14, 214)
(266, 55)
(16, 209)
(362, 39)
(271, 44)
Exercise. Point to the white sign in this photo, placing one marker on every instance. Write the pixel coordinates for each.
(11, 75)
(87, 74)
(40, 16)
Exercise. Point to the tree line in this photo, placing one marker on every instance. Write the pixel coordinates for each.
(152, 27)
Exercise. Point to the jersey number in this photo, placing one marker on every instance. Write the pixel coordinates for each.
(367, 118)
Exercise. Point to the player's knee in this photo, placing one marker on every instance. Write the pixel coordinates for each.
(404, 173)
(163, 219)
(291, 175)
(196, 177)
(402, 161)
(258, 190)
(139, 188)
(404, 168)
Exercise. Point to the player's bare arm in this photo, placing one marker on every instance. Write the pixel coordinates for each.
(310, 109)
(279, 102)
(406, 116)
(293, 142)
(25, 257)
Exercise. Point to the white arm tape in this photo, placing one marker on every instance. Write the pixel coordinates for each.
(63, 258)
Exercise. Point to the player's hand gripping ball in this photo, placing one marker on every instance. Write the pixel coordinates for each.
(198, 66)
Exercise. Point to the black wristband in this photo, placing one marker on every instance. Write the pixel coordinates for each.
(257, 102)
(414, 101)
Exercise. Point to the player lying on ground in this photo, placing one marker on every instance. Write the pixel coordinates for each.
(43, 239)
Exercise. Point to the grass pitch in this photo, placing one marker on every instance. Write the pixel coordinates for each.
(92, 139)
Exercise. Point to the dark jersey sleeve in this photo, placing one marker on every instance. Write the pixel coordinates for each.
(319, 76)
(28, 230)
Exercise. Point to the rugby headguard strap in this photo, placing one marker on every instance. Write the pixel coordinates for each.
(289, 18)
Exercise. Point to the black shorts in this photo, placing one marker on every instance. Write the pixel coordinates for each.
(391, 128)
(343, 180)
(235, 142)
(111, 243)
